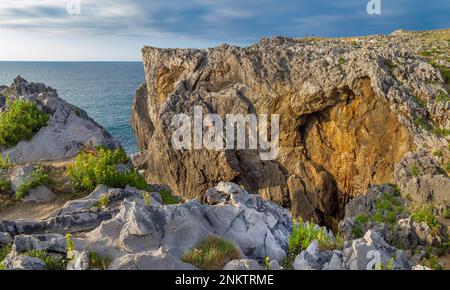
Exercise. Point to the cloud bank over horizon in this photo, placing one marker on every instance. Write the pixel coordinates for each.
(116, 30)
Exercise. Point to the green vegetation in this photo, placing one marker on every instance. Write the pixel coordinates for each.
(441, 132)
(304, 233)
(425, 53)
(5, 185)
(391, 65)
(341, 61)
(424, 213)
(432, 262)
(103, 201)
(20, 122)
(358, 229)
(53, 262)
(447, 167)
(414, 171)
(212, 254)
(267, 263)
(422, 124)
(445, 71)
(4, 162)
(69, 243)
(97, 261)
(147, 199)
(38, 177)
(167, 197)
(4, 251)
(437, 153)
(442, 97)
(387, 208)
(92, 168)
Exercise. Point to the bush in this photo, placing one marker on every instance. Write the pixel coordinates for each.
(424, 213)
(20, 122)
(167, 197)
(38, 177)
(387, 208)
(212, 254)
(304, 233)
(4, 251)
(413, 171)
(92, 168)
(4, 162)
(52, 262)
(5, 185)
(103, 201)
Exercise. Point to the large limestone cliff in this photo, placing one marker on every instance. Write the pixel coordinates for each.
(350, 109)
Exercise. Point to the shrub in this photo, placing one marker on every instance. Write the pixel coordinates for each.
(91, 168)
(4, 251)
(441, 132)
(212, 254)
(424, 213)
(447, 166)
(422, 123)
(386, 209)
(4, 162)
(99, 262)
(38, 177)
(147, 199)
(437, 153)
(425, 53)
(20, 122)
(442, 97)
(304, 233)
(167, 197)
(341, 61)
(5, 185)
(52, 262)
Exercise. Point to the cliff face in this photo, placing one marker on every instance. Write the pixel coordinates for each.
(349, 111)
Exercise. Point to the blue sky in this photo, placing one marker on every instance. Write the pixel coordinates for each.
(118, 29)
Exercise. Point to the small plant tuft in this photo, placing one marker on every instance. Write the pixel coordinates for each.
(97, 261)
(38, 177)
(212, 254)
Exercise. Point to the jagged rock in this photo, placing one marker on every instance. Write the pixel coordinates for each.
(372, 252)
(243, 264)
(314, 259)
(274, 265)
(153, 260)
(21, 262)
(335, 262)
(79, 260)
(422, 179)
(258, 228)
(47, 242)
(347, 115)
(5, 238)
(405, 235)
(19, 175)
(68, 130)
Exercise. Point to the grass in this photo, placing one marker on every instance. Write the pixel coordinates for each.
(422, 123)
(442, 97)
(441, 132)
(4, 251)
(387, 208)
(304, 233)
(103, 201)
(212, 254)
(414, 171)
(4, 162)
(147, 199)
(20, 122)
(357, 231)
(38, 177)
(447, 167)
(167, 197)
(341, 61)
(5, 185)
(424, 213)
(52, 262)
(445, 71)
(97, 261)
(91, 168)
(426, 53)
(438, 153)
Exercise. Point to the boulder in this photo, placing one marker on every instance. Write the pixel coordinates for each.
(21, 262)
(258, 228)
(153, 260)
(66, 133)
(243, 264)
(5, 238)
(39, 194)
(78, 261)
(46, 242)
(372, 252)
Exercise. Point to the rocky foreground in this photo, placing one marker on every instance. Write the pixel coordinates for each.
(361, 181)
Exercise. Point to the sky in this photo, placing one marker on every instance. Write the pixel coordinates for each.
(118, 29)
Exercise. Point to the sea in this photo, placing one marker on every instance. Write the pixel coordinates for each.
(103, 89)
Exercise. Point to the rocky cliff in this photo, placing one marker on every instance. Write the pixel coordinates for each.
(350, 109)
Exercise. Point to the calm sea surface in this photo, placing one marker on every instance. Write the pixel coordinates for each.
(104, 89)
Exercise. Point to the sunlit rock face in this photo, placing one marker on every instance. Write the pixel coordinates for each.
(349, 110)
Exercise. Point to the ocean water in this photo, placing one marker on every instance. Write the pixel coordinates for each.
(104, 89)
